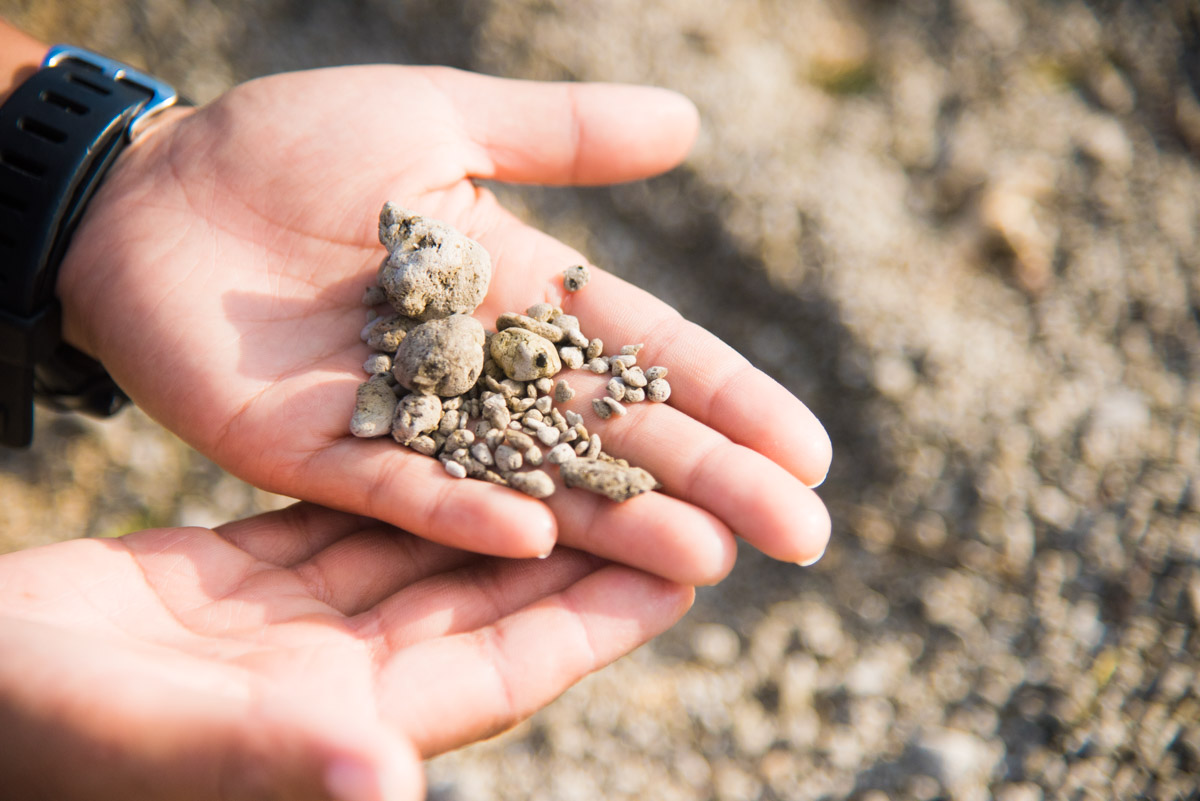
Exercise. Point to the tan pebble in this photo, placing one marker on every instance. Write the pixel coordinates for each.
(577, 338)
(374, 408)
(535, 483)
(452, 404)
(634, 377)
(581, 448)
(615, 389)
(524, 404)
(656, 372)
(595, 347)
(531, 390)
(491, 369)
(607, 478)
(563, 391)
(373, 296)
(619, 364)
(532, 416)
(387, 332)
(544, 385)
(416, 414)
(512, 389)
(542, 329)
(449, 422)
(635, 394)
(658, 390)
(615, 406)
(493, 477)
(496, 412)
(541, 311)
(560, 453)
(481, 453)
(455, 469)
(570, 435)
(519, 440)
(459, 439)
(572, 357)
(558, 420)
(567, 322)
(632, 350)
(575, 277)
(377, 364)
(602, 409)
(598, 365)
(424, 445)
(594, 447)
(508, 459)
(582, 431)
(533, 455)
(524, 355)
(573, 418)
(441, 356)
(476, 468)
(494, 438)
(544, 404)
(548, 436)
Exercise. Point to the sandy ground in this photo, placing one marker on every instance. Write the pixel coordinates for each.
(966, 232)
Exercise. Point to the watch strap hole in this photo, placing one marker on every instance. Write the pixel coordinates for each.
(18, 162)
(82, 80)
(42, 130)
(65, 103)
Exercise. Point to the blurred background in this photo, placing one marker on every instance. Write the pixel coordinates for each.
(967, 234)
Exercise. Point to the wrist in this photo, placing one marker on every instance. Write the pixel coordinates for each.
(20, 57)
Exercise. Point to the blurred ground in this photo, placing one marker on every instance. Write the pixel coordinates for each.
(967, 233)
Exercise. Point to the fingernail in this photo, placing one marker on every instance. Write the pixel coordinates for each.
(813, 561)
(351, 780)
(819, 483)
(546, 555)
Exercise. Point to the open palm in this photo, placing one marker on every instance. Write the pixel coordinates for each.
(219, 272)
(259, 659)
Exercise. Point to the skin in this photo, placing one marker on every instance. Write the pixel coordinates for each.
(302, 654)
(316, 653)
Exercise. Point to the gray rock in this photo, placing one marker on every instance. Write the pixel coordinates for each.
(535, 483)
(432, 271)
(415, 415)
(610, 479)
(441, 357)
(374, 406)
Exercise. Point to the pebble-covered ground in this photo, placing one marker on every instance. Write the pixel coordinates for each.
(967, 232)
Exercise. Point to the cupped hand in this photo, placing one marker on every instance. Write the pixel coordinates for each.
(219, 274)
(302, 654)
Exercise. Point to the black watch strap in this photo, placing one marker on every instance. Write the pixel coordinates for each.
(60, 131)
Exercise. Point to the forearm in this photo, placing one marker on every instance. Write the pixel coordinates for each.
(20, 55)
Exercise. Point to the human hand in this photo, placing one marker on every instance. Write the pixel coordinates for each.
(218, 275)
(301, 654)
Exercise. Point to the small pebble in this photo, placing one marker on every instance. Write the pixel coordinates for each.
(563, 392)
(567, 322)
(598, 365)
(632, 350)
(544, 404)
(610, 479)
(619, 364)
(508, 459)
(480, 452)
(634, 394)
(377, 363)
(541, 311)
(374, 408)
(542, 329)
(593, 449)
(548, 435)
(577, 338)
(533, 455)
(634, 377)
(459, 438)
(615, 389)
(424, 445)
(615, 407)
(373, 296)
(655, 373)
(560, 453)
(494, 438)
(581, 448)
(595, 347)
(573, 418)
(572, 357)
(575, 277)
(455, 469)
(602, 409)
(519, 440)
(535, 483)
(544, 385)
(416, 414)
(658, 390)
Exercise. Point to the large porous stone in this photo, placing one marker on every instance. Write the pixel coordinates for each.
(432, 271)
(441, 357)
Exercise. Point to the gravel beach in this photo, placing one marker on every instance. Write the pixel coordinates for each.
(967, 234)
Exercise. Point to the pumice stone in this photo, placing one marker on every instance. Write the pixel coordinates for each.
(441, 357)
(375, 403)
(609, 479)
(431, 270)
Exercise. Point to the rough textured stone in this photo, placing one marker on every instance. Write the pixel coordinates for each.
(374, 405)
(607, 478)
(441, 357)
(432, 270)
(523, 355)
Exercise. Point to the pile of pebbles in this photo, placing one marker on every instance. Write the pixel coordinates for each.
(483, 402)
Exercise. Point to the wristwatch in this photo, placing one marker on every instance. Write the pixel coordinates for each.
(60, 131)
